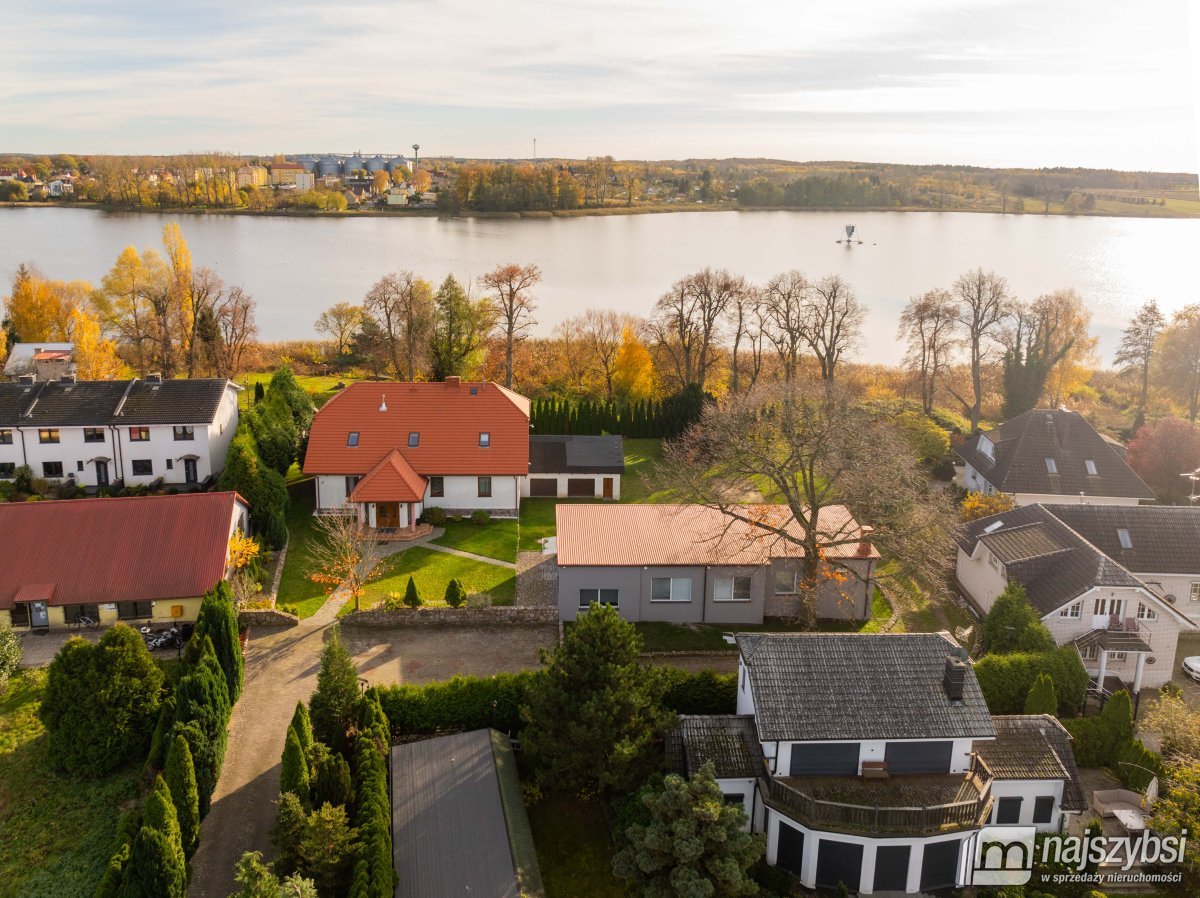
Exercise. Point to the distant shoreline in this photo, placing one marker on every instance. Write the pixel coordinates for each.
(665, 208)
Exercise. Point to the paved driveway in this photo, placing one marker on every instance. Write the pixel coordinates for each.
(281, 669)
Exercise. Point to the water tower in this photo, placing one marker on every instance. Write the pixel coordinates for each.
(416, 155)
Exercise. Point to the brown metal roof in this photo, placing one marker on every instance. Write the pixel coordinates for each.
(595, 534)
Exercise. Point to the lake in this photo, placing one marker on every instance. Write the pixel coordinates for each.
(296, 267)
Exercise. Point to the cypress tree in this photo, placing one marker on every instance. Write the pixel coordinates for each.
(412, 598)
(158, 813)
(181, 779)
(302, 724)
(259, 392)
(332, 705)
(154, 869)
(331, 782)
(218, 621)
(1042, 697)
(293, 774)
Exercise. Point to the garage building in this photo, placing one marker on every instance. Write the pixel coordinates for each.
(577, 467)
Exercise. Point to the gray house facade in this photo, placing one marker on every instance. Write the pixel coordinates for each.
(693, 564)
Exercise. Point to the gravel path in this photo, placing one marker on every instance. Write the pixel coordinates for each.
(537, 580)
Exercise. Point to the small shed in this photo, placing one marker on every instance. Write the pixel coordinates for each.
(575, 466)
(458, 823)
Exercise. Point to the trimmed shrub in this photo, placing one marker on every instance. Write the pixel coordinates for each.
(331, 781)
(412, 598)
(434, 517)
(1006, 679)
(373, 875)
(705, 692)
(10, 654)
(153, 870)
(302, 724)
(1036, 638)
(158, 813)
(181, 779)
(127, 830)
(1010, 617)
(479, 517)
(1090, 745)
(217, 620)
(293, 773)
(455, 594)
(1042, 698)
(1136, 765)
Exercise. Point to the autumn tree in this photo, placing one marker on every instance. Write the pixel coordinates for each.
(96, 358)
(1041, 336)
(981, 303)
(747, 321)
(1137, 351)
(460, 327)
(929, 325)
(200, 298)
(687, 320)
(833, 323)
(600, 334)
(511, 304)
(633, 373)
(817, 448)
(38, 309)
(981, 505)
(338, 323)
(1179, 358)
(345, 556)
(125, 308)
(401, 304)
(1161, 453)
(233, 332)
(785, 302)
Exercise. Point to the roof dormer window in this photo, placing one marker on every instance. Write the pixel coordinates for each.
(1091, 467)
(352, 438)
(1051, 466)
(985, 446)
(1123, 536)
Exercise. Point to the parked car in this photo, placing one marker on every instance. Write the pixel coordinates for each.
(1191, 667)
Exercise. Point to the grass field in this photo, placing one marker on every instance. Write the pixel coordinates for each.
(320, 387)
(56, 832)
(574, 849)
(432, 570)
(497, 539)
(295, 588)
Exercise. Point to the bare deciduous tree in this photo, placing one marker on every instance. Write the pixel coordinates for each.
(784, 301)
(346, 555)
(599, 332)
(818, 448)
(512, 305)
(402, 307)
(928, 324)
(202, 293)
(745, 320)
(235, 329)
(981, 302)
(687, 318)
(833, 323)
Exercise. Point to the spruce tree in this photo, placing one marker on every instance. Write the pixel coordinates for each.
(1042, 697)
(332, 705)
(259, 392)
(412, 598)
(302, 724)
(455, 594)
(180, 774)
(293, 773)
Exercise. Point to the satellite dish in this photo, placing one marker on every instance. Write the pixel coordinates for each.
(1170, 598)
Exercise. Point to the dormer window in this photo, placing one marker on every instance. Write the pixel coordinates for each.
(485, 439)
(352, 438)
(985, 446)
(1091, 467)
(414, 439)
(1051, 466)
(1123, 536)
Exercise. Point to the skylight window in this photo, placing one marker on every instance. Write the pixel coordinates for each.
(485, 439)
(414, 439)
(1091, 467)
(994, 526)
(352, 438)
(1051, 466)
(1123, 536)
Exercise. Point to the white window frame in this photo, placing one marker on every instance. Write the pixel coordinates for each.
(1113, 606)
(1195, 591)
(725, 588)
(985, 447)
(485, 439)
(1145, 612)
(673, 595)
(1074, 610)
(795, 587)
(1117, 656)
(1090, 653)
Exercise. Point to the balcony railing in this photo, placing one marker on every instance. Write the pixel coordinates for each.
(970, 810)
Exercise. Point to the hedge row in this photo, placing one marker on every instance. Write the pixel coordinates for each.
(1007, 678)
(649, 418)
(470, 703)
(374, 875)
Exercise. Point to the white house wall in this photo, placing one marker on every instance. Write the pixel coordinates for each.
(1179, 586)
(743, 787)
(462, 494)
(561, 484)
(982, 582)
(1029, 791)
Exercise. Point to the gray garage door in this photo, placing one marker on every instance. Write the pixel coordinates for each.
(543, 486)
(891, 868)
(918, 757)
(581, 486)
(824, 759)
(839, 862)
(939, 865)
(790, 855)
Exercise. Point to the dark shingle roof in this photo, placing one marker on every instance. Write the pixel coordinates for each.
(576, 455)
(816, 687)
(95, 403)
(1034, 747)
(1023, 444)
(729, 741)
(1165, 538)
(1065, 566)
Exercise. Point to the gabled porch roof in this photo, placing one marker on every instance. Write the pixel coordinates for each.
(391, 480)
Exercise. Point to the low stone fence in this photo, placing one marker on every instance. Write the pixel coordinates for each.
(451, 617)
(266, 617)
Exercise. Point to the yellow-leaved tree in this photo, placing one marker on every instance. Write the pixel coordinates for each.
(633, 372)
(38, 309)
(95, 356)
(980, 505)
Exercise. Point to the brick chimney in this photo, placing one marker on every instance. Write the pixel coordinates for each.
(864, 541)
(155, 378)
(954, 678)
(454, 380)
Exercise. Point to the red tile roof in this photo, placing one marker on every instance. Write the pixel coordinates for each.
(692, 535)
(88, 551)
(392, 480)
(447, 416)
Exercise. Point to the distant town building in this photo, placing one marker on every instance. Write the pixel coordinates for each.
(43, 361)
(251, 176)
(284, 174)
(306, 180)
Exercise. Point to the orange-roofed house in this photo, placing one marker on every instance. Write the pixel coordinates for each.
(390, 450)
(695, 564)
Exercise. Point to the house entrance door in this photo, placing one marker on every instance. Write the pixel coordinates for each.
(101, 472)
(38, 616)
(190, 474)
(387, 515)
(608, 487)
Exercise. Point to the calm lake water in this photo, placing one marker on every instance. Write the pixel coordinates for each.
(295, 267)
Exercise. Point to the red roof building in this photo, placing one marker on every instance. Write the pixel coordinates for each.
(137, 558)
(391, 449)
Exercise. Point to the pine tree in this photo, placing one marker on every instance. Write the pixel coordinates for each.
(181, 779)
(332, 705)
(302, 724)
(293, 773)
(412, 598)
(1042, 697)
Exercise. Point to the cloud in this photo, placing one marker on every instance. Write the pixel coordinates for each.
(665, 78)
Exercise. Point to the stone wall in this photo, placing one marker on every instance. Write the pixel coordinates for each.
(267, 617)
(443, 617)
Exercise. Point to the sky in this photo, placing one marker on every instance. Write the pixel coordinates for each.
(980, 82)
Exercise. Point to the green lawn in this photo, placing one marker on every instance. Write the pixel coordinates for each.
(295, 588)
(639, 456)
(497, 539)
(320, 387)
(574, 849)
(56, 832)
(432, 570)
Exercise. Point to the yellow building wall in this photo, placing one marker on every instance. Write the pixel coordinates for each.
(164, 611)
